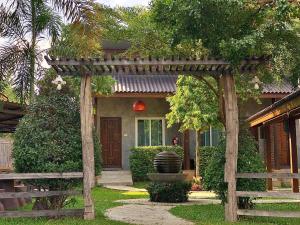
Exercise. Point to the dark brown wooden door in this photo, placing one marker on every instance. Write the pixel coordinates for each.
(111, 141)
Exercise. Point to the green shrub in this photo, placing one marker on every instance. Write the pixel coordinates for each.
(249, 160)
(141, 159)
(48, 139)
(169, 192)
(205, 153)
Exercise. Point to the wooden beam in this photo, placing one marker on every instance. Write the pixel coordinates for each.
(268, 175)
(42, 213)
(28, 176)
(263, 213)
(268, 156)
(275, 194)
(232, 131)
(134, 95)
(86, 118)
(293, 152)
(37, 194)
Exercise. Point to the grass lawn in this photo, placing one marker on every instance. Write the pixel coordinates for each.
(200, 214)
(104, 199)
(214, 214)
(141, 184)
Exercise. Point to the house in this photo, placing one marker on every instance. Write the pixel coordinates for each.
(277, 128)
(120, 126)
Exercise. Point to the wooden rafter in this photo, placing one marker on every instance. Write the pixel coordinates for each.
(189, 66)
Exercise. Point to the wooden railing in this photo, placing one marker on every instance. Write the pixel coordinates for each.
(276, 194)
(37, 194)
(5, 155)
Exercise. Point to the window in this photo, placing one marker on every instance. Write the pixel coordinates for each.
(211, 137)
(150, 131)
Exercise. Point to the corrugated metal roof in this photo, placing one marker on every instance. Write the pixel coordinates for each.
(145, 84)
(167, 84)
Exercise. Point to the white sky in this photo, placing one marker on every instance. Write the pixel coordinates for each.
(114, 3)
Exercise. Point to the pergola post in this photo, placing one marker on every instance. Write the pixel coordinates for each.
(268, 154)
(232, 130)
(86, 119)
(293, 152)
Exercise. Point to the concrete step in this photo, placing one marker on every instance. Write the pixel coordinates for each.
(115, 177)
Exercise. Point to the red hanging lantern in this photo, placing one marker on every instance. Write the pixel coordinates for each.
(139, 106)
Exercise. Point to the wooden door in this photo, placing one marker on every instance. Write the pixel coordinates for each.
(111, 141)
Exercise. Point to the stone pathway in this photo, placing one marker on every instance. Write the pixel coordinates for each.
(145, 215)
(143, 201)
(144, 212)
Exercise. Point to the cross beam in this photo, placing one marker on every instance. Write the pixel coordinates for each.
(142, 66)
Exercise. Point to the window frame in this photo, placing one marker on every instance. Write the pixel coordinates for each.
(150, 118)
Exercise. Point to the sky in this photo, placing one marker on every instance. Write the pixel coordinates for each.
(114, 3)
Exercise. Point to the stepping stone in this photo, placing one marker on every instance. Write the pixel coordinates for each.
(115, 177)
(145, 215)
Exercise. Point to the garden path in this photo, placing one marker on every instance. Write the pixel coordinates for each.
(144, 212)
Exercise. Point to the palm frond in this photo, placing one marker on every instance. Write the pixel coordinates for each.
(11, 25)
(73, 10)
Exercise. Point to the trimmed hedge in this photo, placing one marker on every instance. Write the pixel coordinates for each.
(169, 192)
(206, 153)
(141, 159)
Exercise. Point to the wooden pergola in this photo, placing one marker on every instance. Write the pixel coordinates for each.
(10, 114)
(156, 66)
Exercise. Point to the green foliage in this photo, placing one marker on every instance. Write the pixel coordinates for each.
(169, 192)
(48, 139)
(205, 154)
(249, 160)
(135, 25)
(235, 29)
(189, 106)
(141, 159)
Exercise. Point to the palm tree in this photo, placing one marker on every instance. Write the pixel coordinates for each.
(24, 23)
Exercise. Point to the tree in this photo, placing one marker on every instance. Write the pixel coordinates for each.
(233, 30)
(83, 39)
(236, 29)
(190, 109)
(145, 36)
(53, 118)
(24, 24)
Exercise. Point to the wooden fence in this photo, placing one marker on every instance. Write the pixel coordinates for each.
(277, 194)
(6, 162)
(36, 194)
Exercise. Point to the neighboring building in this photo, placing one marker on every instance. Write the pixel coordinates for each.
(120, 127)
(277, 130)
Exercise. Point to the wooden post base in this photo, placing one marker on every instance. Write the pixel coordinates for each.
(89, 212)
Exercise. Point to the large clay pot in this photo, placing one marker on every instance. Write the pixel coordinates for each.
(167, 162)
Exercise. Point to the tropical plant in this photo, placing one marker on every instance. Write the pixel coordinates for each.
(24, 25)
(190, 108)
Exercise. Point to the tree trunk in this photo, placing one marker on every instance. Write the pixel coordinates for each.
(232, 130)
(197, 151)
(86, 118)
(32, 53)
